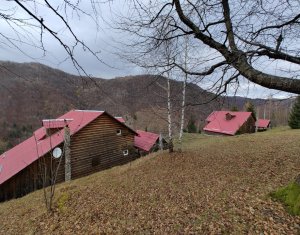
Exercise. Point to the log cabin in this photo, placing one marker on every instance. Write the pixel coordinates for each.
(229, 123)
(97, 141)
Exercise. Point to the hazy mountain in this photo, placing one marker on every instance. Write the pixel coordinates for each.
(30, 92)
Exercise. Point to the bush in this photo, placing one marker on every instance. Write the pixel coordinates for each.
(294, 118)
(250, 108)
(191, 127)
(290, 197)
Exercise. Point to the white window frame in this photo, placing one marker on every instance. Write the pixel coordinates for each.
(125, 152)
(119, 131)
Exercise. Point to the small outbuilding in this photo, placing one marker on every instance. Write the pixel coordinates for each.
(229, 123)
(97, 141)
(147, 142)
(263, 124)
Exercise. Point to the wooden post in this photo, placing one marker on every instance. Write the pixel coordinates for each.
(256, 122)
(161, 147)
(67, 150)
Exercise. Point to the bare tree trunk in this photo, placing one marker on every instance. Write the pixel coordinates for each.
(169, 116)
(183, 94)
(48, 172)
(182, 110)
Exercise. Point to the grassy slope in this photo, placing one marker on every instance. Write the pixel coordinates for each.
(290, 196)
(217, 185)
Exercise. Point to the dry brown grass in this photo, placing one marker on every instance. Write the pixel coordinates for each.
(217, 185)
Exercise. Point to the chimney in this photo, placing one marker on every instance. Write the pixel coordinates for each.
(67, 141)
(229, 116)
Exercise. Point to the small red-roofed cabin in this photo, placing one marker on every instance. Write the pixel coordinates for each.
(229, 123)
(263, 124)
(97, 141)
(147, 142)
(120, 119)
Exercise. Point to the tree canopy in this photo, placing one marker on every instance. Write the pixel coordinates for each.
(250, 108)
(231, 39)
(26, 26)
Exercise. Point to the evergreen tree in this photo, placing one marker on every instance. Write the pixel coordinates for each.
(294, 118)
(191, 127)
(250, 108)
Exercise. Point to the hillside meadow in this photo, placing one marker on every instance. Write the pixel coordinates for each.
(216, 185)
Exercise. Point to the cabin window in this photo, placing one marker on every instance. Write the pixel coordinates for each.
(119, 132)
(125, 152)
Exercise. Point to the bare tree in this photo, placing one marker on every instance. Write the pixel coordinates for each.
(48, 168)
(27, 24)
(238, 38)
(167, 56)
(183, 93)
(169, 108)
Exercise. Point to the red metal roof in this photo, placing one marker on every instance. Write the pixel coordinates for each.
(145, 140)
(218, 123)
(40, 133)
(22, 155)
(263, 123)
(120, 119)
(56, 123)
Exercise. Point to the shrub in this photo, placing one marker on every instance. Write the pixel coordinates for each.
(294, 118)
(250, 108)
(290, 197)
(191, 127)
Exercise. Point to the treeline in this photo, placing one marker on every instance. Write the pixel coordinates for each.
(13, 134)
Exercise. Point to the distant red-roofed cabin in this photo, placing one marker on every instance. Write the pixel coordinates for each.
(147, 142)
(263, 124)
(229, 123)
(120, 119)
(98, 141)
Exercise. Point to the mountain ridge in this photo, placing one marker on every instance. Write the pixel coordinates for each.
(30, 92)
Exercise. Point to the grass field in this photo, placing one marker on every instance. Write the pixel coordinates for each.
(217, 185)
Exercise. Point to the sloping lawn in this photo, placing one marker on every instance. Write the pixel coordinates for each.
(289, 196)
(217, 185)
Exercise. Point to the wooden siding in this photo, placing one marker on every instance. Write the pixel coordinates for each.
(29, 179)
(96, 147)
(248, 126)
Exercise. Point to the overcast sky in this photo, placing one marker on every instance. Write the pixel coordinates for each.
(101, 39)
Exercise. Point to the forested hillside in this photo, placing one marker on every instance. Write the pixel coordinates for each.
(30, 92)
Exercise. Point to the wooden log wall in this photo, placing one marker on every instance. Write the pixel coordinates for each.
(96, 147)
(248, 126)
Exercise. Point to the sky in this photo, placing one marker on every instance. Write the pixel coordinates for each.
(99, 37)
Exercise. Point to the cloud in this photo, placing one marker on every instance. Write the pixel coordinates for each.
(94, 30)
(96, 37)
